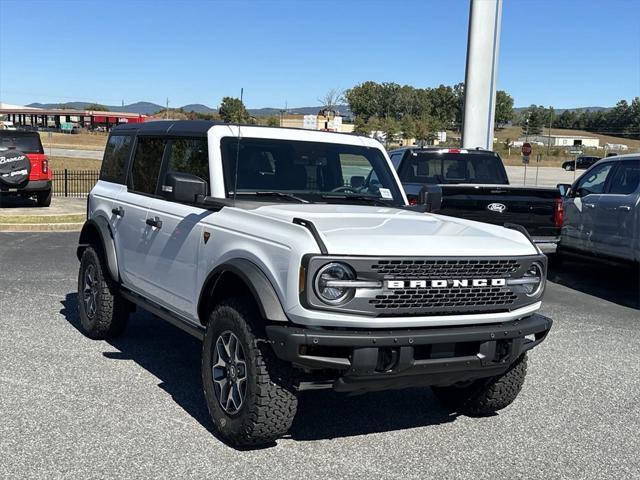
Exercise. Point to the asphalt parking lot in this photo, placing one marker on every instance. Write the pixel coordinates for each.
(71, 407)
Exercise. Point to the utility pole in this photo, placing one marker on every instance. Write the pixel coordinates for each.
(166, 111)
(485, 17)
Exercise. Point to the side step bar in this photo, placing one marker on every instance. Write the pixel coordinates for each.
(197, 331)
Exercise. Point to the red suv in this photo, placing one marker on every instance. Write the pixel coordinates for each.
(24, 168)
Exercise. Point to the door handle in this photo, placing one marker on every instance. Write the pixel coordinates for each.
(590, 205)
(154, 222)
(118, 211)
(625, 208)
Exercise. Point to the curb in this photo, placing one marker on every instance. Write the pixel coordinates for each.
(41, 227)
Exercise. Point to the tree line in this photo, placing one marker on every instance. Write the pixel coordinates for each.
(414, 112)
(623, 120)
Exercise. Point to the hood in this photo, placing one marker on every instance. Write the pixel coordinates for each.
(369, 230)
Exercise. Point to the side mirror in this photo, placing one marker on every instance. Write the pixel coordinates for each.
(183, 187)
(564, 188)
(431, 197)
(357, 181)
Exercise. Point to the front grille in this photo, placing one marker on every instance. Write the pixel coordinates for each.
(461, 268)
(434, 300)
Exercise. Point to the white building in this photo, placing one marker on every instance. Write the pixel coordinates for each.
(563, 140)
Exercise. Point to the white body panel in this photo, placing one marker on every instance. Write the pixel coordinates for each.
(171, 264)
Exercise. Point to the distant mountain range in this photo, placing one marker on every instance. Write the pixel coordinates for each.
(148, 108)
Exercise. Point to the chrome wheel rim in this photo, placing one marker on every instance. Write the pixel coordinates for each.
(90, 290)
(229, 372)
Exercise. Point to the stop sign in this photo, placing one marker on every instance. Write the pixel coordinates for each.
(526, 149)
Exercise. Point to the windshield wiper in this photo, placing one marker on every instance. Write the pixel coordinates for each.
(366, 198)
(270, 193)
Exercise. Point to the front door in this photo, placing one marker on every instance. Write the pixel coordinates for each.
(172, 258)
(580, 208)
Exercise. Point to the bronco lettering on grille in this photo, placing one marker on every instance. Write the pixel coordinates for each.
(456, 283)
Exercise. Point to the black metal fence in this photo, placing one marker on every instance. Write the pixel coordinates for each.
(73, 183)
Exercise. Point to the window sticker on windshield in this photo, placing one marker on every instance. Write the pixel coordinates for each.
(385, 193)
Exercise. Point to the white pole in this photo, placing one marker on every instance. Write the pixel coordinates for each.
(483, 44)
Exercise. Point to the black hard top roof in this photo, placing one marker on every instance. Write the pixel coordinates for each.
(187, 127)
(167, 127)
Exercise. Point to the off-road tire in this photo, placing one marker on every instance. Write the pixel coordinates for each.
(43, 198)
(568, 168)
(111, 310)
(270, 401)
(485, 396)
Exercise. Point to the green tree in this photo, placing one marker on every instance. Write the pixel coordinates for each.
(408, 127)
(390, 128)
(504, 108)
(232, 110)
(364, 99)
(97, 107)
(532, 120)
(273, 121)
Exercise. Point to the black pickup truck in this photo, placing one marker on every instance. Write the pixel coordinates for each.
(474, 185)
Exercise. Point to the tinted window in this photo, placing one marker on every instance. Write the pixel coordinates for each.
(189, 155)
(626, 178)
(307, 169)
(146, 165)
(434, 167)
(594, 181)
(115, 159)
(27, 143)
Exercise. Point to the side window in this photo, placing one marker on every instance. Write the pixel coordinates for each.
(625, 179)
(146, 165)
(594, 181)
(189, 155)
(115, 159)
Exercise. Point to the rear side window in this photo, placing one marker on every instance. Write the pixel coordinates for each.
(626, 178)
(146, 165)
(189, 155)
(29, 143)
(115, 159)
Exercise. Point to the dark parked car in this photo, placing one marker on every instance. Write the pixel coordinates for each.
(474, 185)
(580, 163)
(602, 211)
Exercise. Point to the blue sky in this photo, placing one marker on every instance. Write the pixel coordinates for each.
(553, 52)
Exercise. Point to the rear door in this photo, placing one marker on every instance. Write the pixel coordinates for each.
(132, 234)
(580, 208)
(172, 250)
(616, 227)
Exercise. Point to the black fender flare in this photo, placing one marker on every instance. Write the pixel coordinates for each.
(97, 228)
(255, 279)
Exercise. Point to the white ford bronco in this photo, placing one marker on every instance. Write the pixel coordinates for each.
(295, 257)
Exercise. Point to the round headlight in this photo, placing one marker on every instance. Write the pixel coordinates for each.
(334, 272)
(535, 271)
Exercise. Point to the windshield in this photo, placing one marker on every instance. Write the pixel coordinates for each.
(313, 171)
(451, 168)
(25, 143)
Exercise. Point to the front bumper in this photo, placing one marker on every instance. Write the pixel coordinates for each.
(31, 186)
(380, 360)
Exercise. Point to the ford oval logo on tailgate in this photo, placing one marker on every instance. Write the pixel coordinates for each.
(497, 207)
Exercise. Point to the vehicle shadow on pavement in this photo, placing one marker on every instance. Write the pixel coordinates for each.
(173, 357)
(615, 283)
